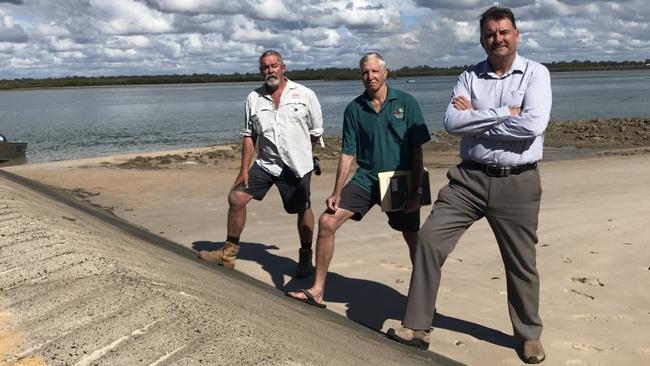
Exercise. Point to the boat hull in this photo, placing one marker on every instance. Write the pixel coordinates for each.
(12, 150)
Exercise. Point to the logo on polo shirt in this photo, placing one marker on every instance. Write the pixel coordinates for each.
(399, 113)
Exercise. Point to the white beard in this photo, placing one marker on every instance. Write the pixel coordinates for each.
(272, 81)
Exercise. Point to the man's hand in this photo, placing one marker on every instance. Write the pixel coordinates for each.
(462, 104)
(412, 203)
(242, 179)
(332, 202)
(515, 111)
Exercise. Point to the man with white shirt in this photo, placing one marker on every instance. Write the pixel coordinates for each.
(283, 121)
(500, 107)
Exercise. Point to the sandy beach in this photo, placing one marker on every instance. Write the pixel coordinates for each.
(593, 254)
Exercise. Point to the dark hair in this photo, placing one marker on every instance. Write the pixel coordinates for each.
(271, 53)
(497, 13)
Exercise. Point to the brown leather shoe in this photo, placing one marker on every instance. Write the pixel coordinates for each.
(304, 268)
(533, 352)
(224, 256)
(411, 337)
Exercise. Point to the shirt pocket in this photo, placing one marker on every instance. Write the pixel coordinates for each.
(398, 129)
(297, 112)
(516, 98)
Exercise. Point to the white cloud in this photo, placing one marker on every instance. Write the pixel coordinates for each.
(134, 41)
(43, 38)
(50, 29)
(449, 4)
(10, 31)
(78, 55)
(531, 44)
(127, 17)
(63, 45)
(274, 10)
(320, 37)
(197, 6)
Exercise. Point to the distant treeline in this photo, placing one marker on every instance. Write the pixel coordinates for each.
(307, 74)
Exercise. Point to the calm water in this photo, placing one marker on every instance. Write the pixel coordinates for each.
(78, 123)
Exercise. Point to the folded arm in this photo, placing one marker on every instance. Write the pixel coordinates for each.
(462, 119)
(534, 115)
(505, 123)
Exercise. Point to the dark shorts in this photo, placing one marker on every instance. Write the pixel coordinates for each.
(358, 200)
(294, 191)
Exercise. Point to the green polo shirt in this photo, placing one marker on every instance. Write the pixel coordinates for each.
(382, 141)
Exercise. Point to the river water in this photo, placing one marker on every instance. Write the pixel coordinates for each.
(73, 123)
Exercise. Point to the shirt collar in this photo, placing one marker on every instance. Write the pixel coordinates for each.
(263, 91)
(390, 95)
(518, 66)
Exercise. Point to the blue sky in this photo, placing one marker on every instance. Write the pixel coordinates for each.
(54, 38)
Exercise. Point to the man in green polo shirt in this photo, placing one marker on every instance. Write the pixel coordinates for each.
(383, 129)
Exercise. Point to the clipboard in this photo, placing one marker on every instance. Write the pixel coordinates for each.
(395, 187)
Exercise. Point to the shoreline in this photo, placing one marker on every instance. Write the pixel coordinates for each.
(563, 140)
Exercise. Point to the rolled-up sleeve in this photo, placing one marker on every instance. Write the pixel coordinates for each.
(248, 126)
(315, 116)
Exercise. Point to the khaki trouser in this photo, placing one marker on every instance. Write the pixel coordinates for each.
(511, 206)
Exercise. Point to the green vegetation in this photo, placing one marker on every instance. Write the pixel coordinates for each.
(588, 65)
(307, 74)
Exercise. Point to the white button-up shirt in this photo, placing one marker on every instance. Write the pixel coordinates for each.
(284, 134)
(490, 135)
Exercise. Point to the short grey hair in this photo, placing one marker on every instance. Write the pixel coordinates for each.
(374, 55)
(271, 53)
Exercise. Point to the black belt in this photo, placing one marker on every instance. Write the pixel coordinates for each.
(497, 170)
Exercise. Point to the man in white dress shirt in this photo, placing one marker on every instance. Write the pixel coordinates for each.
(500, 108)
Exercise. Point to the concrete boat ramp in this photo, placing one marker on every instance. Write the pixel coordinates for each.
(79, 286)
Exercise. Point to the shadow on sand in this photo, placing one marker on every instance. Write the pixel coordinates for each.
(368, 303)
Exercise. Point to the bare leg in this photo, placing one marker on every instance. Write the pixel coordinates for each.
(328, 224)
(411, 239)
(227, 254)
(237, 201)
(306, 226)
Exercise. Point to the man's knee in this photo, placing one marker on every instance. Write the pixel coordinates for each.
(238, 199)
(328, 224)
(436, 243)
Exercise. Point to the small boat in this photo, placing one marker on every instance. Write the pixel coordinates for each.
(410, 81)
(10, 150)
